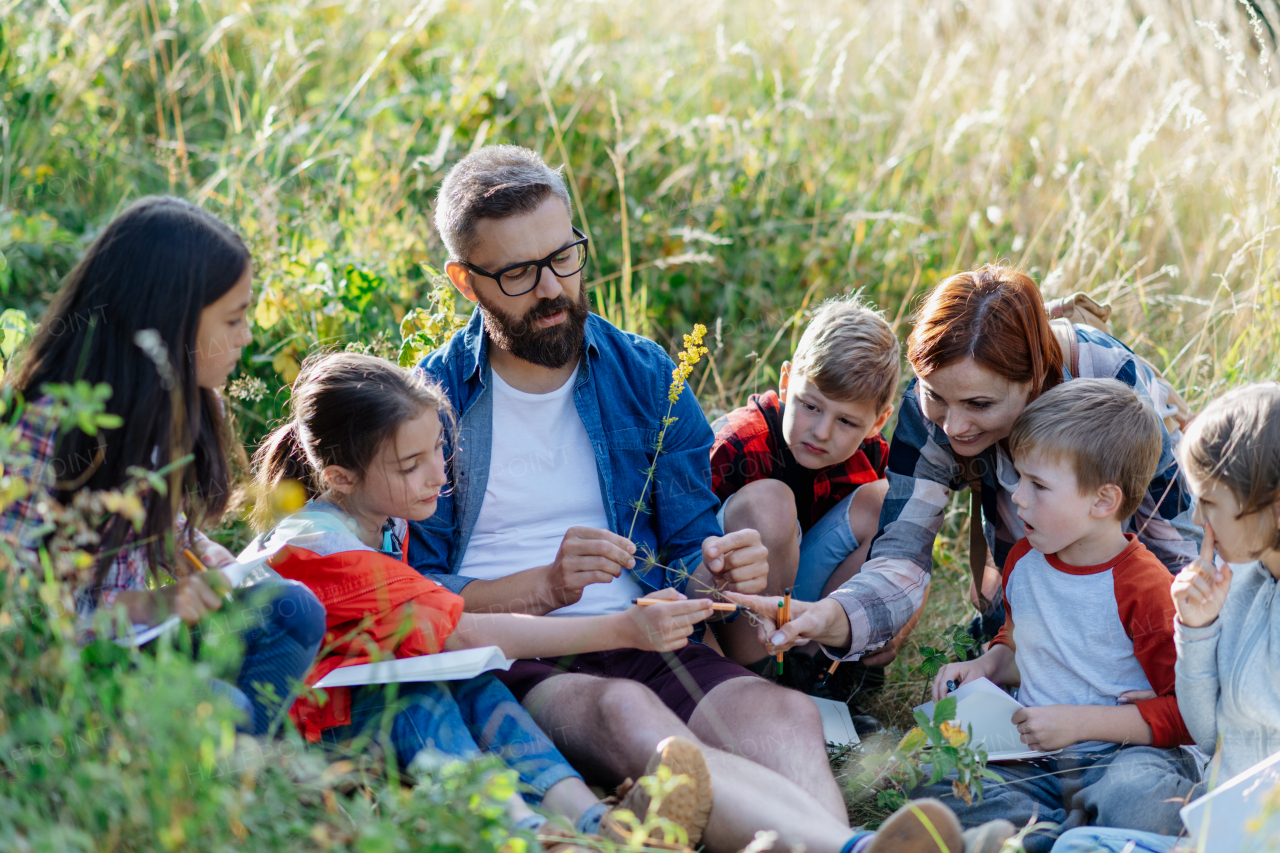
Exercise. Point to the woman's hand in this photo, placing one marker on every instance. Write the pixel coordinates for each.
(667, 627)
(822, 621)
(1201, 588)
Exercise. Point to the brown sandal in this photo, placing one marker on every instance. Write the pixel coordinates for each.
(688, 805)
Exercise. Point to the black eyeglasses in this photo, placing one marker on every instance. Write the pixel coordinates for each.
(519, 279)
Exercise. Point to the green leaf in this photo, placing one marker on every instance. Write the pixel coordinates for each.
(360, 288)
(921, 720)
(945, 711)
(17, 327)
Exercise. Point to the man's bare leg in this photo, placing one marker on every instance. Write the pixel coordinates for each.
(608, 728)
(788, 739)
(768, 507)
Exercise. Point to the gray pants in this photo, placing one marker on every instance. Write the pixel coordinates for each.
(1130, 787)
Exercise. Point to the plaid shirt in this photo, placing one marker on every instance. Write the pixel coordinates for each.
(923, 473)
(749, 446)
(32, 445)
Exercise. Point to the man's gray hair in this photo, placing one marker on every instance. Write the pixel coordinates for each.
(493, 182)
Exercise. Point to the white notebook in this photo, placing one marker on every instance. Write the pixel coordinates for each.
(445, 666)
(1224, 819)
(989, 710)
(837, 725)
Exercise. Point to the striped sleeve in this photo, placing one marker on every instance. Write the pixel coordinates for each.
(889, 589)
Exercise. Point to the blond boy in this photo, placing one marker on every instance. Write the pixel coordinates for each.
(805, 465)
(1088, 637)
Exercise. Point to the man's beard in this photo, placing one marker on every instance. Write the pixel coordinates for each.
(553, 346)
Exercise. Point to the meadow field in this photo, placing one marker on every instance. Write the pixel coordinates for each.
(734, 163)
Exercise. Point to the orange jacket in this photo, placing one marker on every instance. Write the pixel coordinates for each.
(374, 605)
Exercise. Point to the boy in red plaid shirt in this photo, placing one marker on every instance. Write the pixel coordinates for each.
(805, 466)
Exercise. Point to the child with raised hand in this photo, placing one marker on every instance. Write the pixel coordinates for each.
(805, 465)
(1227, 629)
(156, 309)
(366, 440)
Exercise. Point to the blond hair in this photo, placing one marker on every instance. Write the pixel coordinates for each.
(850, 353)
(1104, 431)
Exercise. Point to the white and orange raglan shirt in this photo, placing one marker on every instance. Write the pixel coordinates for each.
(1083, 635)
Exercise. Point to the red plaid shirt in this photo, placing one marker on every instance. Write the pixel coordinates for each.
(749, 447)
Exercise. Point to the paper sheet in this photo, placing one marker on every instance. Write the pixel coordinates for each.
(445, 666)
(1222, 817)
(837, 724)
(989, 710)
(142, 634)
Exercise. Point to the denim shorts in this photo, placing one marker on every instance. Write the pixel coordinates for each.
(458, 719)
(822, 549)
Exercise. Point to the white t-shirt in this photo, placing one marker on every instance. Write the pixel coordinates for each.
(542, 481)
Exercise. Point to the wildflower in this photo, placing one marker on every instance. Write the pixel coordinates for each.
(955, 735)
(693, 351)
(691, 354)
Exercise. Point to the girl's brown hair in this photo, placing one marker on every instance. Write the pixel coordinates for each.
(1236, 441)
(995, 316)
(345, 405)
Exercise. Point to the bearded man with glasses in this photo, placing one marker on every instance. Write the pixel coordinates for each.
(558, 412)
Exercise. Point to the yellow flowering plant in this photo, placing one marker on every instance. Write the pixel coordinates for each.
(686, 360)
(939, 743)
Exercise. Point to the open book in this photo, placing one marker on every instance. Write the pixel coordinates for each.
(989, 710)
(1240, 815)
(235, 574)
(445, 666)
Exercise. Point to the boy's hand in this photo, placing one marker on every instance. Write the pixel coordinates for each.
(587, 556)
(738, 561)
(1048, 727)
(823, 621)
(1201, 588)
(667, 627)
(959, 673)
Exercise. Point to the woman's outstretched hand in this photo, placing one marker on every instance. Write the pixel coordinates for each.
(821, 621)
(1201, 588)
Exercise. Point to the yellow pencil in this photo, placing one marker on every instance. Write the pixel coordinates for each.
(784, 616)
(717, 605)
(190, 555)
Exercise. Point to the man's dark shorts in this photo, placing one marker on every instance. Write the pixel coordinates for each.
(681, 678)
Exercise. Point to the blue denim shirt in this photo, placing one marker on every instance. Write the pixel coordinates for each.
(621, 395)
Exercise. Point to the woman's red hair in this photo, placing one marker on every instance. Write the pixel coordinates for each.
(995, 316)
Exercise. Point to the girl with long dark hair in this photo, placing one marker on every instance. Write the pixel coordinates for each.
(157, 310)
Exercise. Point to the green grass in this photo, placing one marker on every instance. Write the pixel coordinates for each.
(733, 164)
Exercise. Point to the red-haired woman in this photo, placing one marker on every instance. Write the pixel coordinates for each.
(981, 351)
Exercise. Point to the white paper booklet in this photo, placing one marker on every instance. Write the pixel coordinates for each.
(142, 634)
(1234, 818)
(837, 725)
(989, 710)
(445, 666)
